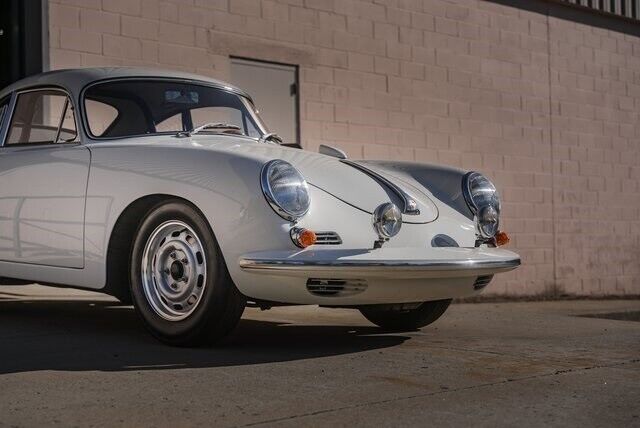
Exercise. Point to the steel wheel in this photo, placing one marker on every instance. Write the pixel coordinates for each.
(174, 269)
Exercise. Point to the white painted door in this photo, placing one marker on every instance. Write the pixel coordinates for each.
(43, 181)
(274, 90)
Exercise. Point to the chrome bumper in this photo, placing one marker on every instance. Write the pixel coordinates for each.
(383, 263)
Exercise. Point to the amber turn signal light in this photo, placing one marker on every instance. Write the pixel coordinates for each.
(502, 239)
(303, 238)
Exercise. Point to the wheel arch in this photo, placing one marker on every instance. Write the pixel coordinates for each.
(121, 241)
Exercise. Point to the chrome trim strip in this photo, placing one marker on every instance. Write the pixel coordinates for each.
(375, 266)
(410, 206)
(6, 118)
(64, 113)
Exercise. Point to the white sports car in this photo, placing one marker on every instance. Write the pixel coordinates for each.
(166, 190)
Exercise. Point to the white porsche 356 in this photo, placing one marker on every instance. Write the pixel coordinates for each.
(166, 190)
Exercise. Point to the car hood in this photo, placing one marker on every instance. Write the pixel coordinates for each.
(356, 187)
(327, 173)
(348, 183)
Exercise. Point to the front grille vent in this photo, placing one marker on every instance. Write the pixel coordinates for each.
(328, 238)
(482, 281)
(336, 287)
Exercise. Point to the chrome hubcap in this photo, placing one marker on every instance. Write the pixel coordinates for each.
(174, 270)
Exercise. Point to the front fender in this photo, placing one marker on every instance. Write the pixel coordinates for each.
(223, 186)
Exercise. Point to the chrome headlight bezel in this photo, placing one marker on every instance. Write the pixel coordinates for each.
(484, 202)
(276, 201)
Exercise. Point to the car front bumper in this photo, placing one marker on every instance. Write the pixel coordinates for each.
(354, 277)
(370, 276)
(398, 263)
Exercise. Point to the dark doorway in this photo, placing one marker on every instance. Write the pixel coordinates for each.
(20, 39)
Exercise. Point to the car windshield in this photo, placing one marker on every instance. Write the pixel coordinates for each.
(126, 108)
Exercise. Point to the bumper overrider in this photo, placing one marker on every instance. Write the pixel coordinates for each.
(392, 263)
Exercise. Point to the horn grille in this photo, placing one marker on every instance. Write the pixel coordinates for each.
(336, 287)
(482, 281)
(328, 238)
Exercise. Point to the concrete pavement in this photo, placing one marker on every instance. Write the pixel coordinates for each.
(71, 358)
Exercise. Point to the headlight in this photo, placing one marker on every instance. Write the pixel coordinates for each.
(387, 220)
(286, 189)
(484, 201)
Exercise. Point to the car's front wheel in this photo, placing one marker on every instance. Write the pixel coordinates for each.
(179, 282)
(405, 317)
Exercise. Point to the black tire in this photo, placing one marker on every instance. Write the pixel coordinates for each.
(221, 304)
(390, 317)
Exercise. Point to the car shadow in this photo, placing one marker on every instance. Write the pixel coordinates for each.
(84, 335)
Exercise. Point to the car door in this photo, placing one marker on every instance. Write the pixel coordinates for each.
(43, 180)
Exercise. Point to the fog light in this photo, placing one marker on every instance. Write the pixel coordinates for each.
(303, 238)
(387, 221)
(488, 221)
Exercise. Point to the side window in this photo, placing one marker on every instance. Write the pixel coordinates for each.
(100, 116)
(42, 117)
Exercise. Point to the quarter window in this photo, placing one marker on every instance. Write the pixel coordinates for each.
(172, 124)
(4, 104)
(100, 116)
(42, 117)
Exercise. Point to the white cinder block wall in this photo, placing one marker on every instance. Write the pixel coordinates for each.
(548, 108)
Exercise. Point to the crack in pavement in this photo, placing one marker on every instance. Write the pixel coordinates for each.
(434, 393)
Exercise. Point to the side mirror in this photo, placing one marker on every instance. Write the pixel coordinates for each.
(332, 151)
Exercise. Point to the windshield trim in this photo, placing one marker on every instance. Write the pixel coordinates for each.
(229, 89)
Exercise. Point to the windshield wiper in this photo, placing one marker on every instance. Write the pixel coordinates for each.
(223, 127)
